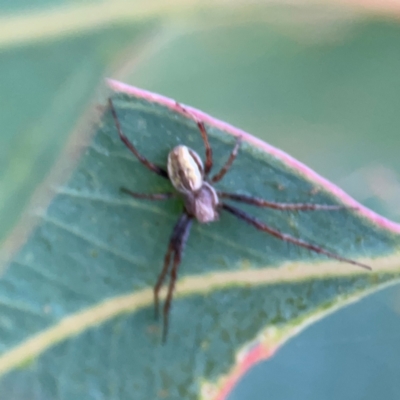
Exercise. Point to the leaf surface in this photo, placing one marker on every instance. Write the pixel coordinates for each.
(76, 300)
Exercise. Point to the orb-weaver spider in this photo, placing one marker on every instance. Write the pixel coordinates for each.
(202, 202)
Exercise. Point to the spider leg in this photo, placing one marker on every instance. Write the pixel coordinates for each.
(256, 201)
(287, 238)
(204, 135)
(180, 242)
(217, 177)
(161, 278)
(152, 167)
(149, 196)
(172, 248)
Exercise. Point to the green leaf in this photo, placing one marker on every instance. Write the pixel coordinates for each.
(76, 317)
(43, 91)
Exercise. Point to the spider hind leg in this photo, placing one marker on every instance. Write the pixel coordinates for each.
(200, 124)
(259, 202)
(225, 168)
(149, 196)
(152, 167)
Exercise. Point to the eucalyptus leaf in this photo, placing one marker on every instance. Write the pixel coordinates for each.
(76, 301)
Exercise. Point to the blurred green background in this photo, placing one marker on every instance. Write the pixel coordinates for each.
(320, 82)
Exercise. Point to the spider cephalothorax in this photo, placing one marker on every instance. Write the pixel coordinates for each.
(186, 173)
(203, 203)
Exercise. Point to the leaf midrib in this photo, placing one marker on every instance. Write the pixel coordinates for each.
(80, 321)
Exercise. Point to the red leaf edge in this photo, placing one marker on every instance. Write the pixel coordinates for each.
(311, 175)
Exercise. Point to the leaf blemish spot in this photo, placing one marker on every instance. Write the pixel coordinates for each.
(94, 253)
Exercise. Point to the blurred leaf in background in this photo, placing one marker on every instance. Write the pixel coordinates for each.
(321, 82)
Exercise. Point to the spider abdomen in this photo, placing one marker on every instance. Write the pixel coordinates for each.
(185, 169)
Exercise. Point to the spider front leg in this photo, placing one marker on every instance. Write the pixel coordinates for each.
(177, 243)
(152, 167)
(285, 237)
(200, 124)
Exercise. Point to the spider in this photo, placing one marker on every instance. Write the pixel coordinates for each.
(202, 202)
